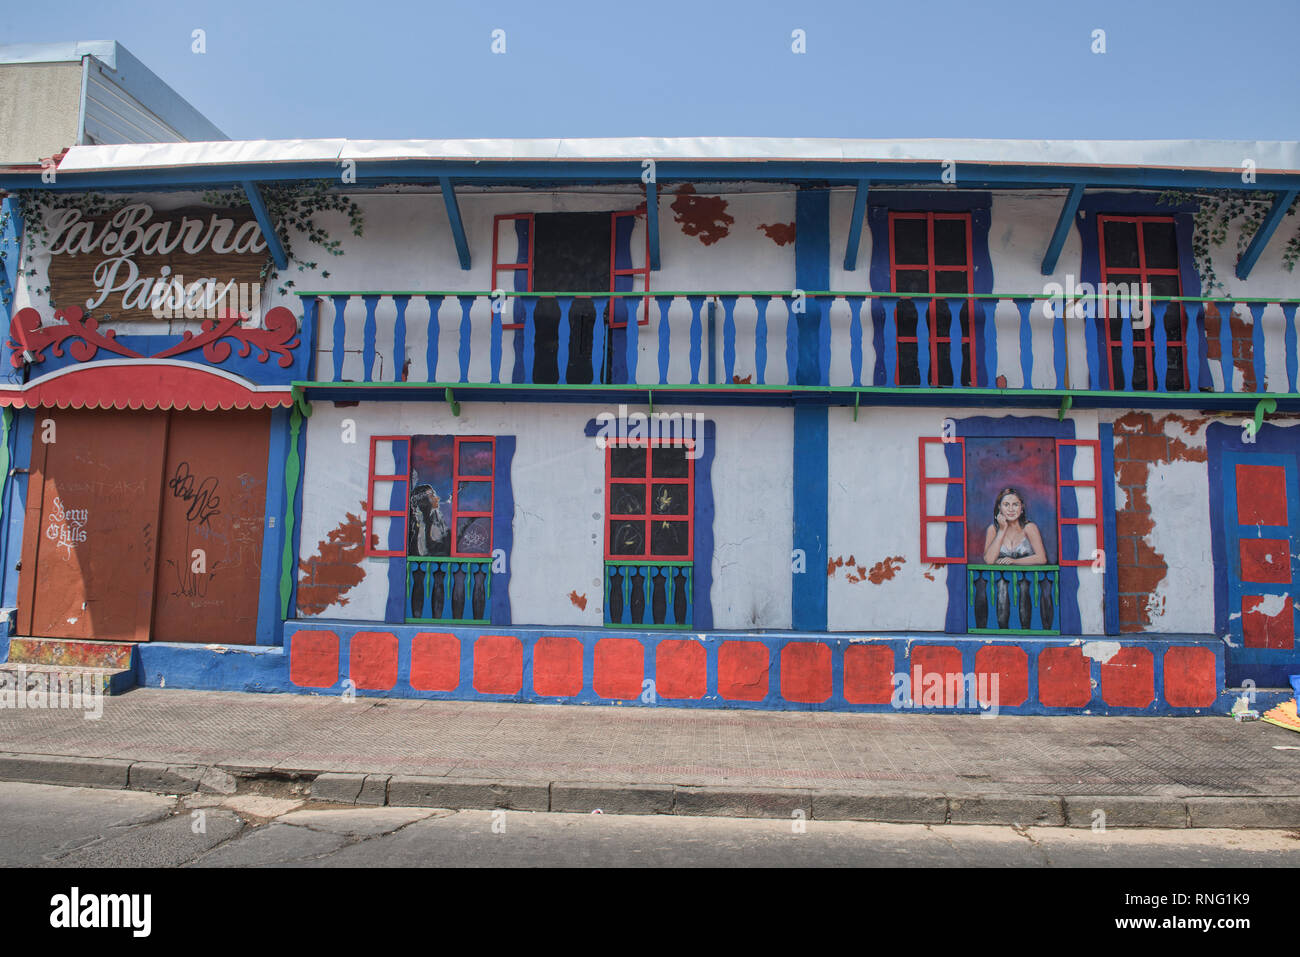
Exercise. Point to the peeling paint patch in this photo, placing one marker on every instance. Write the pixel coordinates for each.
(780, 233)
(737, 380)
(579, 601)
(842, 562)
(1101, 651)
(702, 216)
(934, 567)
(335, 568)
(884, 570)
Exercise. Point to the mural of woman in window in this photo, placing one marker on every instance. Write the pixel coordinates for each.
(1012, 539)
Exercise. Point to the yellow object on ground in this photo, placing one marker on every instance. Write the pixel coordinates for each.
(1283, 716)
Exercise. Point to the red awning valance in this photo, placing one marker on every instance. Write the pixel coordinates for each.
(143, 384)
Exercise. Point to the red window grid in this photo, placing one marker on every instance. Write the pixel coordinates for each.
(372, 511)
(647, 516)
(1143, 340)
(1094, 483)
(643, 271)
(937, 336)
(457, 513)
(926, 518)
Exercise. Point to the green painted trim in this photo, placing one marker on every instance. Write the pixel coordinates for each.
(782, 293)
(292, 469)
(1264, 405)
(451, 401)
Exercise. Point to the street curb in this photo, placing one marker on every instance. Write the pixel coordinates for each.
(584, 797)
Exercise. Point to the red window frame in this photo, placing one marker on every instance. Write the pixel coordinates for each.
(373, 551)
(498, 266)
(456, 476)
(1143, 339)
(648, 480)
(1095, 484)
(926, 518)
(634, 271)
(937, 336)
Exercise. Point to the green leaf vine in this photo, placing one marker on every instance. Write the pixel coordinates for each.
(1217, 211)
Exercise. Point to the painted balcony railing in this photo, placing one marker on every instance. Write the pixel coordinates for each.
(762, 340)
(648, 595)
(1014, 599)
(448, 591)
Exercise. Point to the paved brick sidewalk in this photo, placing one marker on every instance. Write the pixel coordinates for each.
(1177, 772)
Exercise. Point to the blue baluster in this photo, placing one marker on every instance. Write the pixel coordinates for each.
(310, 334)
(989, 310)
(823, 306)
(410, 611)
(1159, 342)
(562, 350)
(466, 333)
(792, 341)
(1092, 344)
(1257, 343)
(1288, 317)
(647, 584)
(665, 335)
(1225, 344)
(368, 338)
(855, 337)
(1026, 344)
(923, 341)
(426, 599)
(891, 341)
(530, 338)
(1193, 346)
(760, 340)
(449, 585)
(728, 338)
(494, 347)
(340, 333)
(697, 332)
(598, 343)
(609, 582)
(955, 345)
(630, 353)
(1058, 347)
(1126, 343)
(627, 594)
(687, 579)
(431, 348)
(399, 338)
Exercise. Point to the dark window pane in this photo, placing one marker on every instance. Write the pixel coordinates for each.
(474, 497)
(1164, 285)
(905, 318)
(627, 462)
(911, 280)
(1160, 245)
(669, 463)
(627, 500)
(950, 242)
(1175, 375)
(911, 245)
(669, 539)
(669, 499)
(1121, 245)
(473, 536)
(626, 538)
(951, 281)
(476, 458)
(909, 372)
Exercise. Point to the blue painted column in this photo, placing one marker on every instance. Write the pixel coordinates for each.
(812, 258)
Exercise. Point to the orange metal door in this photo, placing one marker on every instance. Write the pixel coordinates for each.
(90, 538)
(213, 514)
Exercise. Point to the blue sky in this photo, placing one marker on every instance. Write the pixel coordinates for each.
(386, 69)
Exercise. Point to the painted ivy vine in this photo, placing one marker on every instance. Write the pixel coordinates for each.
(1217, 211)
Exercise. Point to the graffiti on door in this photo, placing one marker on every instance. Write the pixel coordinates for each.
(66, 527)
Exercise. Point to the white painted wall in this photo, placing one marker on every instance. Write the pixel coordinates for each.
(558, 479)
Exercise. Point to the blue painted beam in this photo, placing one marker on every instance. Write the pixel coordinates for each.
(263, 216)
(855, 225)
(453, 217)
(652, 222)
(1063, 224)
(1265, 233)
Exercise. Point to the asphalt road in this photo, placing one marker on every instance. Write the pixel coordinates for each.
(46, 826)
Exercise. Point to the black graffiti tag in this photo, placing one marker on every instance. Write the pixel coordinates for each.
(203, 499)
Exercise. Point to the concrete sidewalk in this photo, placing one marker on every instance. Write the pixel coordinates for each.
(905, 768)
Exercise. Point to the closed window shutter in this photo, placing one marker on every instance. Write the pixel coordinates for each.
(400, 447)
(1080, 530)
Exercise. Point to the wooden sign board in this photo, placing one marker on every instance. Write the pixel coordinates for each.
(134, 262)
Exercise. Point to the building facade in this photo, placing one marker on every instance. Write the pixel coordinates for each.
(844, 425)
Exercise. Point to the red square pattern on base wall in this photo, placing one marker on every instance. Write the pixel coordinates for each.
(435, 662)
(314, 659)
